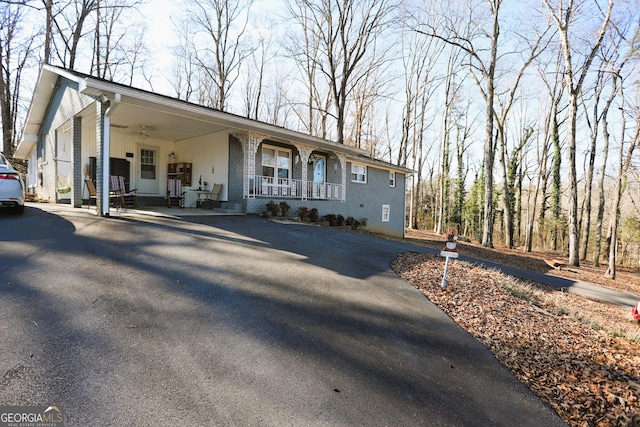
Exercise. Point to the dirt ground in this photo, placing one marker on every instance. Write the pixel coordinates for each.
(580, 356)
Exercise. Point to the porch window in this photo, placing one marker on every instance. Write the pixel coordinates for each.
(276, 162)
(358, 173)
(392, 179)
(385, 213)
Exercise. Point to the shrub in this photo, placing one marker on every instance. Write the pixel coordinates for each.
(285, 208)
(354, 223)
(331, 219)
(273, 207)
(303, 213)
(313, 215)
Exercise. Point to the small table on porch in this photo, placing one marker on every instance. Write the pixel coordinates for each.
(201, 196)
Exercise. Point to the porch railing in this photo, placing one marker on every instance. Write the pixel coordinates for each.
(268, 186)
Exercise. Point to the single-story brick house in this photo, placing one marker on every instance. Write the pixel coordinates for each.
(81, 127)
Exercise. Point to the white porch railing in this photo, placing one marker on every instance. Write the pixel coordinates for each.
(268, 186)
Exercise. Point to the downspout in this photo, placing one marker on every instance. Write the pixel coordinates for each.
(106, 147)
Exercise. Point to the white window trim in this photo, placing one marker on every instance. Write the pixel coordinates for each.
(365, 173)
(392, 179)
(275, 165)
(386, 213)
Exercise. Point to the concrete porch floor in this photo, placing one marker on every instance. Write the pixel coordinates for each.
(163, 211)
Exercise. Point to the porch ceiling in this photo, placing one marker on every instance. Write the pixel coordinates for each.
(161, 123)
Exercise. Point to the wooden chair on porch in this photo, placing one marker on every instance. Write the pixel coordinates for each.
(175, 195)
(124, 198)
(91, 188)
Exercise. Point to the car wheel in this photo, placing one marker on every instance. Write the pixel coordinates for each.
(18, 210)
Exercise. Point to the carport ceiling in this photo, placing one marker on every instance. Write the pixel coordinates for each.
(162, 123)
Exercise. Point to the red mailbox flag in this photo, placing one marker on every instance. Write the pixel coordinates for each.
(636, 311)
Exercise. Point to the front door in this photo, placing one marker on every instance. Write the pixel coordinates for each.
(148, 171)
(319, 171)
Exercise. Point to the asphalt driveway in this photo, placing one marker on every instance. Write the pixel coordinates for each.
(205, 321)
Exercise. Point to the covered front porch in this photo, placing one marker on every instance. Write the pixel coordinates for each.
(291, 170)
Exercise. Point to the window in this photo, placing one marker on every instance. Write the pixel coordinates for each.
(276, 162)
(147, 163)
(392, 179)
(385, 213)
(358, 173)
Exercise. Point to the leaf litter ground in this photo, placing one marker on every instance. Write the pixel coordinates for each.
(582, 357)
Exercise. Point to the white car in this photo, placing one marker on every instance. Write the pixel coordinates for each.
(11, 188)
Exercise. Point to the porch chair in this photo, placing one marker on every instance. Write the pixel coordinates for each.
(212, 196)
(115, 192)
(91, 188)
(129, 198)
(175, 195)
(119, 192)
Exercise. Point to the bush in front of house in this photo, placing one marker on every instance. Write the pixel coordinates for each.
(303, 213)
(334, 220)
(284, 207)
(273, 208)
(313, 215)
(354, 223)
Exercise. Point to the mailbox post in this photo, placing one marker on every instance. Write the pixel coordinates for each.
(450, 251)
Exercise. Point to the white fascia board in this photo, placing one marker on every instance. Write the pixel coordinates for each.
(25, 146)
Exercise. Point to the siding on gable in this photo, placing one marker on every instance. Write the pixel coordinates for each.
(65, 103)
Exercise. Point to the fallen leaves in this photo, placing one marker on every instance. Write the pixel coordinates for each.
(545, 338)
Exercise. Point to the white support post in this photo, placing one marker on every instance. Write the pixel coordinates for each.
(250, 142)
(450, 251)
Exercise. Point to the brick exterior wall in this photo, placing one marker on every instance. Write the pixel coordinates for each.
(236, 171)
(76, 162)
(363, 200)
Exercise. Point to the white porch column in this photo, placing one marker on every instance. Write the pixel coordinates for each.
(305, 153)
(250, 142)
(103, 128)
(343, 166)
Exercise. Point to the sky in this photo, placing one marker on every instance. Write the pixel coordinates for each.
(161, 35)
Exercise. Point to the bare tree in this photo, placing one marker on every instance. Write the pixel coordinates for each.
(468, 38)
(69, 28)
(15, 54)
(504, 105)
(563, 16)
(548, 150)
(343, 33)
(220, 52)
(118, 49)
(304, 48)
(624, 161)
(604, 159)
